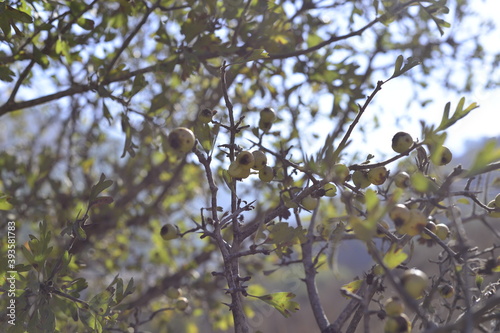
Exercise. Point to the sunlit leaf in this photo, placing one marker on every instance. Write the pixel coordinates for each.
(281, 301)
(394, 257)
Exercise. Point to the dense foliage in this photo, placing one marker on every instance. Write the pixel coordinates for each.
(118, 221)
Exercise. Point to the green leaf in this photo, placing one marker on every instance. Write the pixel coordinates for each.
(282, 302)
(350, 288)
(394, 257)
(4, 202)
(335, 241)
(459, 113)
(489, 154)
(399, 68)
(99, 187)
(6, 74)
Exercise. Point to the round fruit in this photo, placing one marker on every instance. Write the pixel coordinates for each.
(309, 202)
(330, 189)
(245, 159)
(442, 231)
(378, 175)
(446, 290)
(360, 179)
(287, 201)
(265, 126)
(401, 142)
(445, 156)
(492, 204)
(432, 227)
(259, 159)
(173, 292)
(168, 232)
(268, 115)
(416, 224)
(398, 324)
(340, 173)
(394, 306)
(181, 140)
(402, 179)
(181, 303)
(414, 281)
(400, 215)
(266, 174)
(205, 116)
(236, 170)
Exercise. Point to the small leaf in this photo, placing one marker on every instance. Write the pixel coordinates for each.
(102, 200)
(99, 187)
(394, 257)
(490, 153)
(351, 288)
(282, 302)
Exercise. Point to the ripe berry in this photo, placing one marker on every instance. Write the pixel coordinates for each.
(181, 140)
(378, 175)
(401, 142)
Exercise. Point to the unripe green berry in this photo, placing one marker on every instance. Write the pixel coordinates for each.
(445, 156)
(340, 173)
(268, 115)
(360, 179)
(245, 159)
(414, 281)
(330, 189)
(401, 142)
(309, 202)
(236, 170)
(173, 292)
(400, 215)
(394, 306)
(181, 303)
(398, 324)
(492, 204)
(168, 232)
(402, 179)
(378, 175)
(432, 227)
(260, 159)
(266, 174)
(497, 200)
(442, 231)
(446, 290)
(181, 140)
